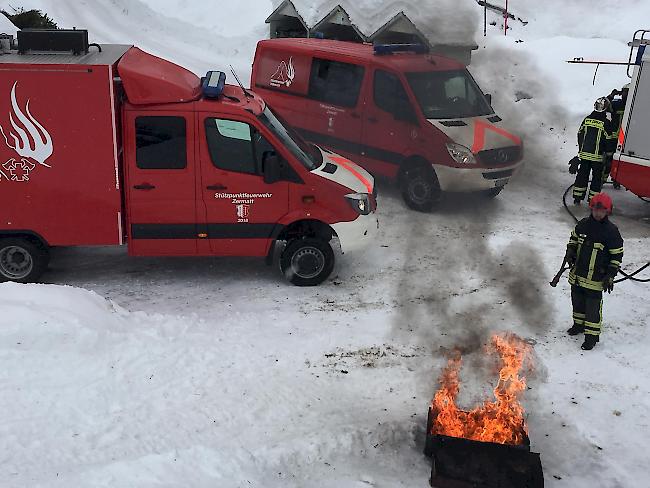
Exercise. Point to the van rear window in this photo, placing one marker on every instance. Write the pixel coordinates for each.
(335, 82)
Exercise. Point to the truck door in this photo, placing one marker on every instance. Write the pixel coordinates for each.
(333, 116)
(241, 210)
(391, 125)
(160, 183)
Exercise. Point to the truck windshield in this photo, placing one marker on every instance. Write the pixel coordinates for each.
(448, 94)
(308, 155)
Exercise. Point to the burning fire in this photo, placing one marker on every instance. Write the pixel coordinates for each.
(501, 421)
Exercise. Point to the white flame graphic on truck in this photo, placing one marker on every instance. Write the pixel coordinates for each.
(30, 140)
(284, 75)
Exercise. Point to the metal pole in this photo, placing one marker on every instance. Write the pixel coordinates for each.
(505, 21)
(485, 19)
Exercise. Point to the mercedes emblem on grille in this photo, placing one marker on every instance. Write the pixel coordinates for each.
(502, 156)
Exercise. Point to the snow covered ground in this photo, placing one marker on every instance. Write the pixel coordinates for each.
(215, 372)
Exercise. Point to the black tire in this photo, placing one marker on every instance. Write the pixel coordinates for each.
(420, 188)
(307, 262)
(22, 260)
(492, 192)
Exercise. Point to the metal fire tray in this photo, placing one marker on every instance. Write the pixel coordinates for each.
(464, 463)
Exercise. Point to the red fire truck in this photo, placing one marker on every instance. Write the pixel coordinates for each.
(111, 145)
(631, 163)
(395, 109)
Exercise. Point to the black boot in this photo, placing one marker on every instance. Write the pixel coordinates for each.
(590, 342)
(575, 330)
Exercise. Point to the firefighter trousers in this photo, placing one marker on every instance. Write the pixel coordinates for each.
(586, 167)
(587, 309)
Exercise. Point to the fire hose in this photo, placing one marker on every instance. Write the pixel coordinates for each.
(626, 276)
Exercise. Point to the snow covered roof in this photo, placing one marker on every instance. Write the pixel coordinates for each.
(6, 26)
(441, 22)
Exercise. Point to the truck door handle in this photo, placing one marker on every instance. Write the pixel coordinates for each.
(218, 186)
(144, 186)
(355, 115)
(373, 120)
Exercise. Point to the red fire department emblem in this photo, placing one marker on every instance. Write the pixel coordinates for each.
(243, 210)
(28, 138)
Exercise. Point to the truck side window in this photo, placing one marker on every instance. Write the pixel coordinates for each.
(160, 142)
(235, 146)
(335, 82)
(390, 96)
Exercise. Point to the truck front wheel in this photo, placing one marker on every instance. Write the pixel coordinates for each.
(21, 260)
(307, 262)
(420, 188)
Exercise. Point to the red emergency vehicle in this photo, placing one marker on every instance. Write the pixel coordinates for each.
(117, 146)
(631, 162)
(395, 109)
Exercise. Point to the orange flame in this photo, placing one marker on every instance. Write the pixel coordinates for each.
(501, 421)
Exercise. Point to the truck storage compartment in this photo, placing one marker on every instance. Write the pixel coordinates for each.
(59, 171)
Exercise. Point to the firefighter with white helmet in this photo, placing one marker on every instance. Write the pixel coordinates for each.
(594, 141)
(595, 252)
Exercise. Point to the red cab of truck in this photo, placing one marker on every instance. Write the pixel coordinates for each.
(118, 146)
(394, 109)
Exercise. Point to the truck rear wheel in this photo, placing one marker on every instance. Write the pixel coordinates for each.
(420, 188)
(21, 260)
(307, 262)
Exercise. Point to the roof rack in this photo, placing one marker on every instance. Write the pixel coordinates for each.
(639, 41)
(382, 49)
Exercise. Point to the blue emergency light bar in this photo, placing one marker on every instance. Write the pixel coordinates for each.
(213, 83)
(381, 49)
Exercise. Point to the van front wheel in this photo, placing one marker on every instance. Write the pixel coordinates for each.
(420, 188)
(21, 260)
(307, 262)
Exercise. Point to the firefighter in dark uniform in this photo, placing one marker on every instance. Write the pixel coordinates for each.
(617, 106)
(595, 252)
(594, 140)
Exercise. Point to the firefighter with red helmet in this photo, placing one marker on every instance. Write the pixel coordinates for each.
(594, 141)
(595, 252)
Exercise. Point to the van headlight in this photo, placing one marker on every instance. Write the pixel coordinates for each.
(359, 202)
(461, 154)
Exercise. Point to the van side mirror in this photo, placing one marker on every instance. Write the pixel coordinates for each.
(488, 97)
(272, 167)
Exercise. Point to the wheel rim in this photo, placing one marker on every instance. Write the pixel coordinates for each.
(308, 262)
(420, 190)
(15, 262)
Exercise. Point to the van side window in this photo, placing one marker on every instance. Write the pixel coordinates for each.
(235, 146)
(390, 96)
(335, 82)
(160, 142)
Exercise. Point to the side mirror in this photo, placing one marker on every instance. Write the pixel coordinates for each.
(488, 97)
(271, 167)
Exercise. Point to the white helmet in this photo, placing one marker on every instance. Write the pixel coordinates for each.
(601, 104)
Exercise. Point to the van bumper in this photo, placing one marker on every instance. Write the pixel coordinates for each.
(357, 234)
(474, 179)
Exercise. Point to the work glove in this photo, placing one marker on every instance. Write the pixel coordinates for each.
(608, 284)
(574, 163)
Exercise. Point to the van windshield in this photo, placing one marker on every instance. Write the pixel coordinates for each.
(308, 155)
(448, 94)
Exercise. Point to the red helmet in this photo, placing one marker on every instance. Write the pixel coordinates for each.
(601, 200)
